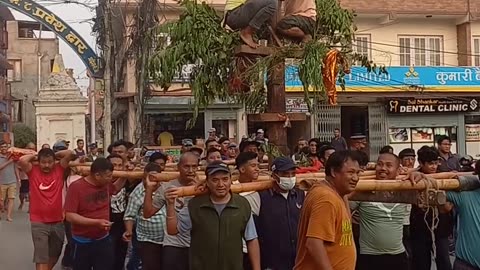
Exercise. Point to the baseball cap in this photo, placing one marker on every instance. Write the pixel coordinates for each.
(212, 130)
(216, 166)
(283, 164)
(357, 136)
(246, 142)
(232, 145)
(260, 130)
(408, 152)
(60, 145)
(187, 142)
(92, 145)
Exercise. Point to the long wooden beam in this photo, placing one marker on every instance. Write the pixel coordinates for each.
(363, 185)
(168, 176)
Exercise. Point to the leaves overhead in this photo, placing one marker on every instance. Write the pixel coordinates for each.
(196, 38)
(199, 38)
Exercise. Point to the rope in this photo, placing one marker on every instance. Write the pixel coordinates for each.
(431, 184)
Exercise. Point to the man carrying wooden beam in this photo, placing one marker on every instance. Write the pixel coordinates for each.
(298, 23)
(381, 225)
(175, 247)
(422, 235)
(325, 239)
(217, 222)
(249, 16)
(278, 215)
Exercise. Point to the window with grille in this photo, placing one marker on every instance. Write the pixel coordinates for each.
(361, 46)
(476, 51)
(421, 50)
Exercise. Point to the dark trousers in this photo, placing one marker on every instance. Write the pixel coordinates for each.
(151, 255)
(175, 258)
(119, 246)
(67, 259)
(383, 262)
(247, 265)
(356, 239)
(462, 265)
(97, 255)
(422, 257)
(407, 243)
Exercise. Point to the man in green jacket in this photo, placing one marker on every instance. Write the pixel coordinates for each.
(217, 221)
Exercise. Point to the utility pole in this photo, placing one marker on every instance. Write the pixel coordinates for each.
(107, 122)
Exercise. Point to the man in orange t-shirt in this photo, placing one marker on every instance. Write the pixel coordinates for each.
(325, 239)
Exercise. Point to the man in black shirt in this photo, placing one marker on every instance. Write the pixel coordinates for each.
(421, 236)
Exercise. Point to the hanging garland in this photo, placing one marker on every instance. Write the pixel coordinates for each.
(199, 38)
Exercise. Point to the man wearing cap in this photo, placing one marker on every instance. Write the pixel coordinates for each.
(186, 145)
(212, 134)
(260, 135)
(277, 212)
(217, 221)
(60, 146)
(407, 157)
(358, 142)
(407, 161)
(249, 145)
(93, 152)
(231, 151)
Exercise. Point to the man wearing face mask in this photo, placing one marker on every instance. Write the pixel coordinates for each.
(277, 217)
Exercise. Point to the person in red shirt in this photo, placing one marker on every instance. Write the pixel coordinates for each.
(46, 213)
(87, 208)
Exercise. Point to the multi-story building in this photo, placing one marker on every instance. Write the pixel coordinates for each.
(31, 52)
(432, 88)
(5, 98)
(168, 110)
(430, 50)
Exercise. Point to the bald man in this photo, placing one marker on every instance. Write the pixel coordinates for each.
(175, 247)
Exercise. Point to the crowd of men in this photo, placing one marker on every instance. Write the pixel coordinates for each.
(120, 223)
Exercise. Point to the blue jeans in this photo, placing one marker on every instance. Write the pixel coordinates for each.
(134, 262)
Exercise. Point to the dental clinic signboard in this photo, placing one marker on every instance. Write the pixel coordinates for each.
(432, 105)
(456, 79)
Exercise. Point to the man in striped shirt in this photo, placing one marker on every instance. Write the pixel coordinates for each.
(150, 231)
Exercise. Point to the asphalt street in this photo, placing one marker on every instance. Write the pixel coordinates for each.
(16, 249)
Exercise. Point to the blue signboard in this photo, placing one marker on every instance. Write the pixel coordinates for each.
(61, 28)
(398, 78)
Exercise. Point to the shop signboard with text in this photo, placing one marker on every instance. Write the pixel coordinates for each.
(398, 79)
(432, 105)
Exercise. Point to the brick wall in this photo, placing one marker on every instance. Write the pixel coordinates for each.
(411, 6)
(475, 8)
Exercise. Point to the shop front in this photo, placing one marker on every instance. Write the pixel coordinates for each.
(174, 114)
(415, 122)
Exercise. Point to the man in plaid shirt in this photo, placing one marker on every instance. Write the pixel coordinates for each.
(150, 231)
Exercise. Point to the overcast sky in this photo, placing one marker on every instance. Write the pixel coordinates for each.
(79, 18)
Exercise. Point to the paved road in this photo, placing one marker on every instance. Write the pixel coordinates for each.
(16, 248)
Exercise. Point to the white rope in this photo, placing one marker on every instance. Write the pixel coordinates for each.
(431, 184)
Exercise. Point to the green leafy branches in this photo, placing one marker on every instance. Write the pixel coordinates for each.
(196, 38)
